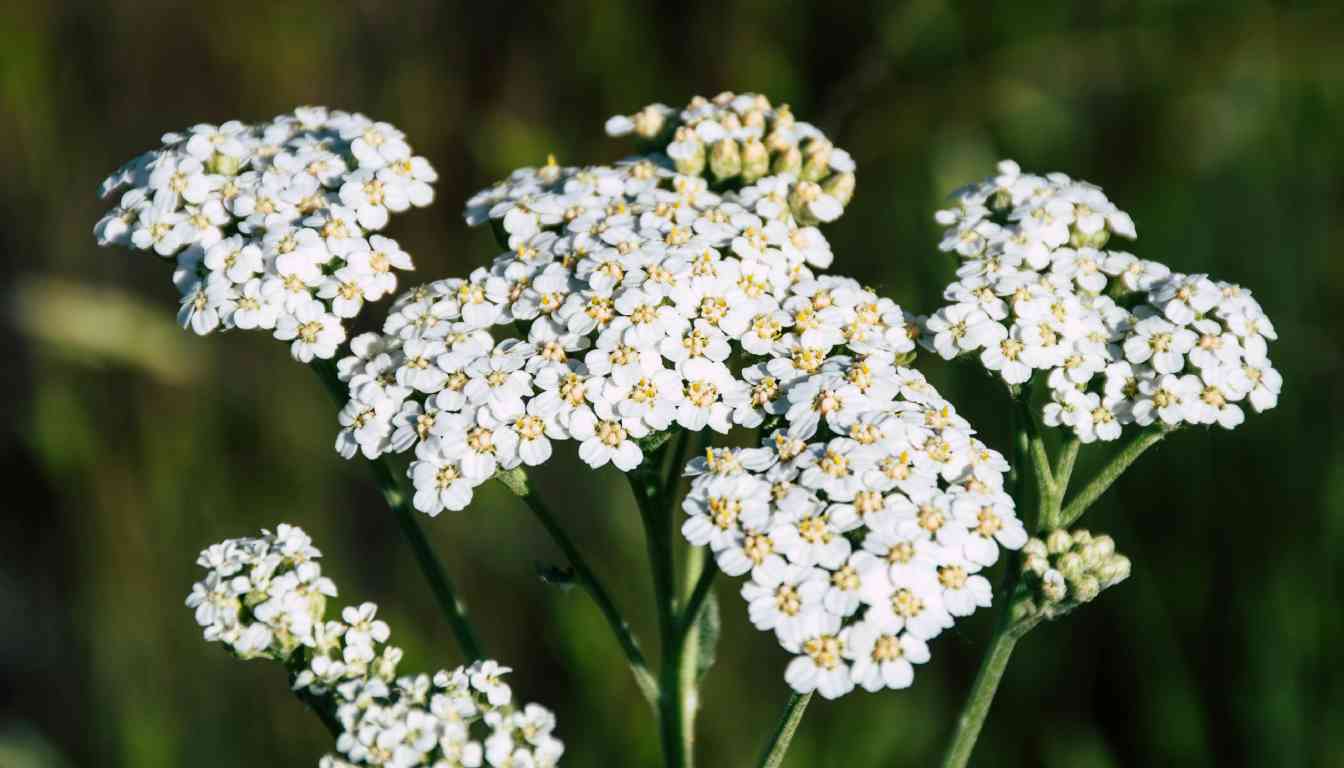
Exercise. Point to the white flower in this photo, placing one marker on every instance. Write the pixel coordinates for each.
(820, 665)
(883, 659)
(439, 480)
(315, 333)
(604, 441)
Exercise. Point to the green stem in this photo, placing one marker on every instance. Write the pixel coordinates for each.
(699, 575)
(1036, 453)
(986, 684)
(775, 750)
(516, 480)
(1110, 473)
(701, 589)
(1068, 455)
(648, 483)
(454, 610)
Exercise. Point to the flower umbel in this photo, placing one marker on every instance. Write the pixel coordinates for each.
(265, 597)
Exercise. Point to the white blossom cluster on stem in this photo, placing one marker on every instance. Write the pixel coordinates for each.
(641, 300)
(864, 537)
(644, 299)
(1118, 340)
(265, 597)
(273, 226)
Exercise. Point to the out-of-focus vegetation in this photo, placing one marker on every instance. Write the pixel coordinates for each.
(127, 446)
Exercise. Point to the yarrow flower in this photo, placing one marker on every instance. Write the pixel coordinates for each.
(861, 542)
(1118, 340)
(644, 301)
(273, 226)
(265, 597)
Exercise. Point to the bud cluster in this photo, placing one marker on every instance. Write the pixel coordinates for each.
(1067, 569)
(265, 597)
(740, 139)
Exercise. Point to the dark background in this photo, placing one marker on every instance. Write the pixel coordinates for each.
(128, 445)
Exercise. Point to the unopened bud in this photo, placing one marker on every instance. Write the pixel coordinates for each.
(1086, 589)
(725, 160)
(1036, 547)
(1059, 541)
(755, 118)
(816, 161)
(787, 159)
(840, 186)
(687, 153)
(224, 165)
(755, 160)
(1071, 565)
(1098, 239)
(650, 121)
(1115, 570)
(1037, 564)
(1053, 587)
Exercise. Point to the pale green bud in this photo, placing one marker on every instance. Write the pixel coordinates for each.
(1037, 564)
(1097, 239)
(787, 160)
(1086, 589)
(725, 160)
(816, 160)
(1115, 570)
(1059, 541)
(755, 118)
(1081, 537)
(1071, 565)
(224, 165)
(650, 122)
(840, 186)
(803, 192)
(1053, 587)
(1035, 546)
(755, 160)
(691, 163)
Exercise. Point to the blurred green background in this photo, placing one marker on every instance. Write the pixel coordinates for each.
(129, 445)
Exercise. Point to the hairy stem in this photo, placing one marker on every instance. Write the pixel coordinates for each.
(1110, 473)
(516, 480)
(699, 575)
(649, 485)
(454, 610)
(976, 708)
(775, 749)
(1036, 454)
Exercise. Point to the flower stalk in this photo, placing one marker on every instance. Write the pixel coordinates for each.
(516, 481)
(445, 593)
(779, 742)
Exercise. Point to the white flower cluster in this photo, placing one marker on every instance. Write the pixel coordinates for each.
(644, 301)
(864, 534)
(265, 597)
(1121, 340)
(273, 226)
(741, 138)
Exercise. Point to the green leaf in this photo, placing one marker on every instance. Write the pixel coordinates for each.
(708, 629)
